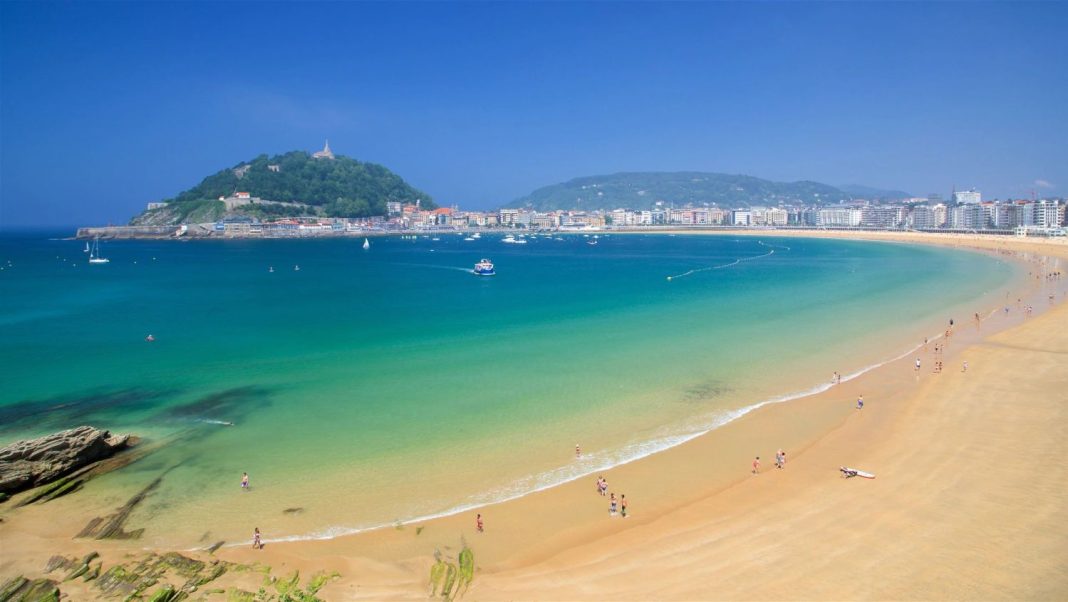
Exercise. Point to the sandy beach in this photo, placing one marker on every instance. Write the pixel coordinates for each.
(967, 502)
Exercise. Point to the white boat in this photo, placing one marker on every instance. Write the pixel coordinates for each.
(513, 240)
(470, 238)
(366, 244)
(476, 235)
(484, 268)
(94, 253)
(296, 268)
(87, 246)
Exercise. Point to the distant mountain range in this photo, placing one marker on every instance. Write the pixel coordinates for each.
(642, 190)
(298, 182)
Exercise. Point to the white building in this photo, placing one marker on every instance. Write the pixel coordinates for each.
(1048, 214)
(970, 216)
(326, 153)
(839, 217)
(776, 217)
(967, 197)
(508, 216)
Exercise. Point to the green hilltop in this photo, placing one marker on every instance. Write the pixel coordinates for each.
(298, 184)
(642, 190)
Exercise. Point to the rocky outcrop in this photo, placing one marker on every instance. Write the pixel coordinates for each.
(36, 462)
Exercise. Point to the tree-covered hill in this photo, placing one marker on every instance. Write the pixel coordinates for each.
(338, 187)
(641, 190)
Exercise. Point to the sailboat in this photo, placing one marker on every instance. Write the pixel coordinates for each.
(94, 253)
(366, 244)
(87, 246)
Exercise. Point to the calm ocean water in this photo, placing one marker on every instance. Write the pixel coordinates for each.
(399, 382)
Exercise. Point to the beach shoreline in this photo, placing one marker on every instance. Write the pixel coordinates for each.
(528, 534)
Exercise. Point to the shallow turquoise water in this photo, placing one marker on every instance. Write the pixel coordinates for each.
(407, 386)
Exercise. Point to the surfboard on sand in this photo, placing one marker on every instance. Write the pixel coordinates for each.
(853, 472)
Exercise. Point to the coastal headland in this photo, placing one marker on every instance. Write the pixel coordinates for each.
(967, 502)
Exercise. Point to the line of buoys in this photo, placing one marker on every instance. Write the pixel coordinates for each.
(731, 264)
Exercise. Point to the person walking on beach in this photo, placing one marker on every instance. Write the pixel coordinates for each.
(604, 486)
(578, 451)
(244, 481)
(917, 364)
(964, 366)
(756, 465)
(612, 505)
(780, 459)
(256, 543)
(860, 402)
(478, 523)
(623, 505)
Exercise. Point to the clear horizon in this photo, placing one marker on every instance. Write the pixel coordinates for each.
(108, 106)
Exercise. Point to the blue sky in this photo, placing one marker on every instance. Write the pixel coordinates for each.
(104, 107)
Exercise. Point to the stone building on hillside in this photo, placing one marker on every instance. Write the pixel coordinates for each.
(326, 153)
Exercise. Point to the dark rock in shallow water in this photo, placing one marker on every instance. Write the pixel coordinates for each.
(35, 462)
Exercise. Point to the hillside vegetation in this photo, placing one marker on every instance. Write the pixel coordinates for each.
(642, 190)
(339, 187)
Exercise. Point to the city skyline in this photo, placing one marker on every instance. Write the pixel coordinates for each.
(107, 107)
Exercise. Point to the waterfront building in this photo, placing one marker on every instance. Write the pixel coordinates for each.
(679, 216)
(921, 218)
(716, 215)
(776, 216)
(941, 214)
(1048, 214)
(758, 216)
(968, 216)
(881, 216)
(543, 220)
(442, 216)
(741, 217)
(508, 216)
(839, 217)
(238, 225)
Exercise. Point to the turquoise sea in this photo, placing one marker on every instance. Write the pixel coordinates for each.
(389, 384)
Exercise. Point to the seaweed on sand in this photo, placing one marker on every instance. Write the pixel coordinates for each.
(450, 579)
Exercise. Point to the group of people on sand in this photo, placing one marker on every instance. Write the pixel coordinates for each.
(614, 505)
(780, 461)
